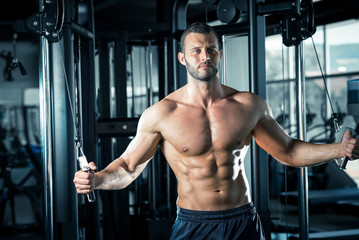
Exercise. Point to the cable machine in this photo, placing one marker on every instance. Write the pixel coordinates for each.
(75, 43)
(147, 201)
(61, 97)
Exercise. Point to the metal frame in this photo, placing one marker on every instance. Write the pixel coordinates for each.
(257, 76)
(260, 175)
(46, 134)
(88, 114)
(61, 202)
(301, 134)
(179, 23)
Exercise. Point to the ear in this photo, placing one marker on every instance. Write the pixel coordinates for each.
(180, 57)
(220, 55)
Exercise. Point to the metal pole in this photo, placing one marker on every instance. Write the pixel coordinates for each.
(46, 136)
(168, 170)
(150, 73)
(179, 22)
(224, 58)
(301, 134)
(150, 103)
(165, 49)
(146, 77)
(132, 83)
(77, 100)
(259, 167)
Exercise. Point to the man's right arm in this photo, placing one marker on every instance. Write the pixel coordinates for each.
(125, 169)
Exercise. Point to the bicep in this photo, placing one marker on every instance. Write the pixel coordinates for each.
(141, 149)
(270, 136)
(144, 145)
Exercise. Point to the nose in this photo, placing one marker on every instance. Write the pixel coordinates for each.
(205, 56)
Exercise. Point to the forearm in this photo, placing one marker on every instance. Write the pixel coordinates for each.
(304, 154)
(117, 176)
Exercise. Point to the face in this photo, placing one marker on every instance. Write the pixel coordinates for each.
(201, 56)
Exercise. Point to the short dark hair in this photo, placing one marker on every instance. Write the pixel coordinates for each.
(198, 27)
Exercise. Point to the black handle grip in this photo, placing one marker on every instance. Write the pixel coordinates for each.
(346, 158)
(91, 197)
(344, 163)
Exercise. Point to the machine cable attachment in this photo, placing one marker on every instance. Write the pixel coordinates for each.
(49, 21)
(79, 152)
(91, 197)
(11, 61)
(297, 27)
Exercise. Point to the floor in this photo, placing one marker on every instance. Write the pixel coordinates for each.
(322, 219)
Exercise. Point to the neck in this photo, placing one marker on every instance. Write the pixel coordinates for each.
(204, 93)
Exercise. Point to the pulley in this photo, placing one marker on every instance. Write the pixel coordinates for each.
(227, 11)
(298, 27)
(49, 22)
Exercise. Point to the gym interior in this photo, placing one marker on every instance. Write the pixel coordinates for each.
(78, 74)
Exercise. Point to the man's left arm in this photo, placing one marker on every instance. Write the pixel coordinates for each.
(293, 152)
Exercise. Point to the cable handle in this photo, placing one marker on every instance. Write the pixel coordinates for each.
(84, 165)
(91, 197)
(343, 166)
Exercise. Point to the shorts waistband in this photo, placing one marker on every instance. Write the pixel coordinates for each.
(186, 214)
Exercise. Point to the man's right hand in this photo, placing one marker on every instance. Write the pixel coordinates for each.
(85, 181)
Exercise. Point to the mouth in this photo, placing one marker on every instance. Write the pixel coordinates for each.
(205, 66)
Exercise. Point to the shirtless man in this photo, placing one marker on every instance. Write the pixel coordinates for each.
(204, 130)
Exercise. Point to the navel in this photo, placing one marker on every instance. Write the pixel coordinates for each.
(217, 190)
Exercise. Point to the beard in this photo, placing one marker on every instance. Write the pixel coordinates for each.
(206, 75)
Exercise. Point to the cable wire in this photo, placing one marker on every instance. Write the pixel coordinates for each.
(321, 71)
(68, 94)
(285, 167)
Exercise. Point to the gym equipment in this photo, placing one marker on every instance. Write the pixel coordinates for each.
(353, 98)
(298, 26)
(49, 22)
(12, 62)
(117, 127)
(209, 2)
(227, 11)
(241, 5)
(230, 11)
(353, 106)
(84, 165)
(321, 197)
(350, 234)
(346, 158)
(20, 174)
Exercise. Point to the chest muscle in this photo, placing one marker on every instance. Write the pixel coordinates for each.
(198, 131)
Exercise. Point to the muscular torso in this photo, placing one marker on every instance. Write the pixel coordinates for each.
(205, 148)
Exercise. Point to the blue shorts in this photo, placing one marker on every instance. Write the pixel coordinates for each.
(237, 223)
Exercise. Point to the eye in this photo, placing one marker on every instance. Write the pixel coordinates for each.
(211, 50)
(196, 51)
